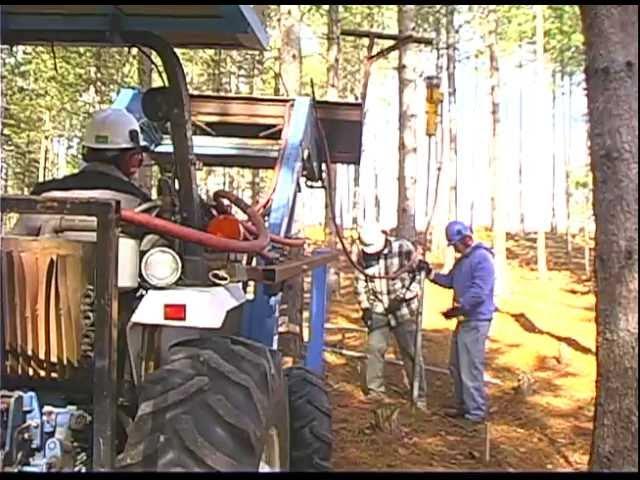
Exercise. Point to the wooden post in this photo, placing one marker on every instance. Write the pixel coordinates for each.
(487, 443)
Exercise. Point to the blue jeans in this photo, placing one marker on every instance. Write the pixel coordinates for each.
(466, 365)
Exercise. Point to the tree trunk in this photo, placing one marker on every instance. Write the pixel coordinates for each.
(498, 196)
(453, 136)
(452, 178)
(493, 81)
(611, 34)
(408, 145)
(333, 93)
(520, 143)
(476, 110)
(145, 176)
(290, 55)
(359, 194)
(45, 147)
(440, 252)
(567, 166)
(554, 220)
(541, 240)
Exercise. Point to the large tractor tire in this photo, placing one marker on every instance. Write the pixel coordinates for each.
(218, 404)
(311, 435)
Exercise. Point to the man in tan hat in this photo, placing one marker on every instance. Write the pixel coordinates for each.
(388, 305)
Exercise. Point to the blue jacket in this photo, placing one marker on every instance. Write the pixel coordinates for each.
(472, 279)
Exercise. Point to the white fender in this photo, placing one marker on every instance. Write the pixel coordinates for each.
(206, 307)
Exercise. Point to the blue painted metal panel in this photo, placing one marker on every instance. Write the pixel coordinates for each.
(261, 315)
(197, 25)
(260, 319)
(297, 140)
(314, 360)
(125, 97)
(130, 99)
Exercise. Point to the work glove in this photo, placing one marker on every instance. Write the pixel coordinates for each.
(453, 312)
(394, 305)
(423, 266)
(367, 317)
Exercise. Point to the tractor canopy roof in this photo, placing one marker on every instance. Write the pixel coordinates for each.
(182, 26)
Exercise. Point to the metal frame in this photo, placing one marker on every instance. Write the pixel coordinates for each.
(301, 156)
(124, 25)
(193, 26)
(300, 139)
(106, 310)
(280, 272)
(244, 131)
(314, 359)
(181, 133)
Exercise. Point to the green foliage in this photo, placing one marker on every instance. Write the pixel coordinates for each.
(49, 94)
(581, 184)
(47, 97)
(563, 40)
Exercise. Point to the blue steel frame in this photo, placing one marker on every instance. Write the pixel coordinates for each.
(260, 320)
(314, 359)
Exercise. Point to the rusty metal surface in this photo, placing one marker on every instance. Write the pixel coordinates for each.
(249, 118)
(106, 344)
(45, 279)
(289, 269)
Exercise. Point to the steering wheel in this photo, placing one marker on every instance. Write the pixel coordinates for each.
(153, 206)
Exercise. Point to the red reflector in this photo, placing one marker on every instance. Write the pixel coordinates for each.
(175, 312)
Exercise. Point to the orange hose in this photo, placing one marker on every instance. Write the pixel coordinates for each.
(205, 239)
(287, 242)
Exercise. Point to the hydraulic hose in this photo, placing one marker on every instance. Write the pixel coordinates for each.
(205, 239)
(329, 192)
(287, 242)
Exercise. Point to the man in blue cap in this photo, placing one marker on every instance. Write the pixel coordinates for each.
(472, 279)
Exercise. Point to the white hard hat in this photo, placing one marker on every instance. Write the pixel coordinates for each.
(372, 238)
(112, 129)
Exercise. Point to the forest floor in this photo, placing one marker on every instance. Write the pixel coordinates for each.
(544, 332)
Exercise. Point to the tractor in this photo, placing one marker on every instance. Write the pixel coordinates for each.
(173, 336)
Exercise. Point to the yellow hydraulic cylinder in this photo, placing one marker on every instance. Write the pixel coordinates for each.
(434, 99)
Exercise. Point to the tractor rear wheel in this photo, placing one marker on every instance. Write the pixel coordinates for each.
(310, 418)
(218, 404)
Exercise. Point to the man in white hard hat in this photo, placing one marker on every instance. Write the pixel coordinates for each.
(113, 153)
(388, 305)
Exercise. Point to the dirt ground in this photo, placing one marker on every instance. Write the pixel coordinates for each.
(541, 367)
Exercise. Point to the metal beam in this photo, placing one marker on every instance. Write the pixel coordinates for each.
(181, 136)
(265, 110)
(286, 270)
(192, 26)
(314, 359)
(247, 119)
(386, 36)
